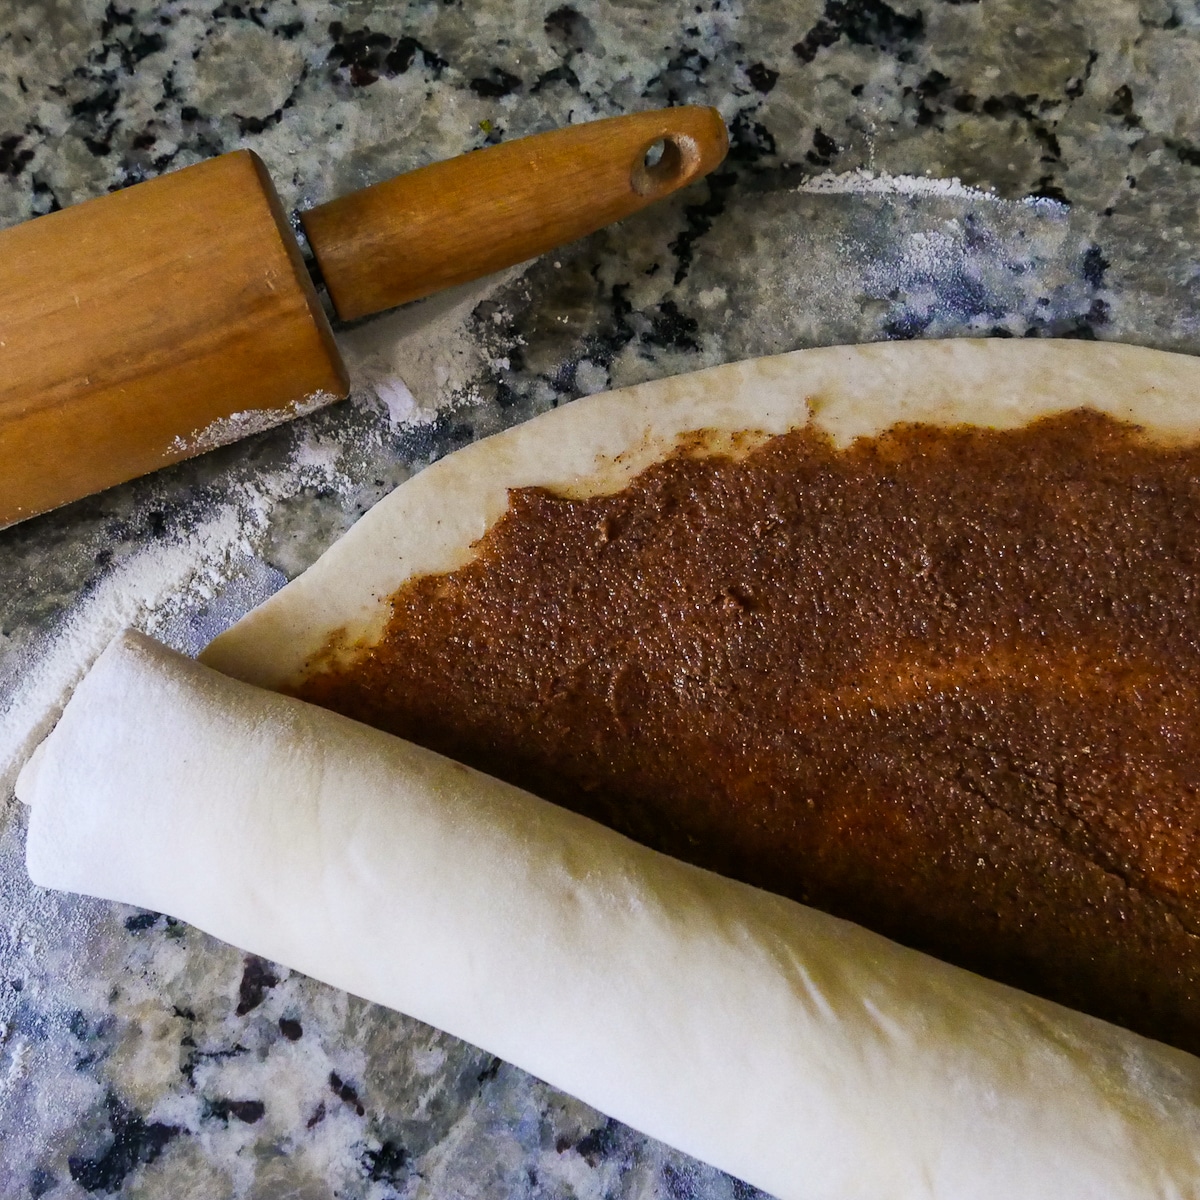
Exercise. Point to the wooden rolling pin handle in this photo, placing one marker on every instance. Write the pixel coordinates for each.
(457, 220)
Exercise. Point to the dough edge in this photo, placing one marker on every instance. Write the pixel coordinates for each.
(597, 444)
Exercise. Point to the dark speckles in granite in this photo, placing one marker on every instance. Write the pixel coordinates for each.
(569, 30)
(364, 56)
(138, 1053)
(346, 1092)
(257, 977)
(249, 1112)
(40, 1183)
(498, 82)
(192, 1058)
(387, 1164)
(670, 328)
(699, 216)
(598, 1142)
(291, 1029)
(14, 157)
(762, 77)
(131, 1142)
(865, 23)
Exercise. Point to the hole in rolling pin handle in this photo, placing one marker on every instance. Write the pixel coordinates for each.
(663, 164)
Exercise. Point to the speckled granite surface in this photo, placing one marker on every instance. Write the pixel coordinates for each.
(139, 1057)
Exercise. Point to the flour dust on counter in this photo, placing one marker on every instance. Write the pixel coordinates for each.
(199, 572)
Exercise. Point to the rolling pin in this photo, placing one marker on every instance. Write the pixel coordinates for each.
(146, 326)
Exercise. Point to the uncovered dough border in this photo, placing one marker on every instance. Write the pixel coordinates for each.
(596, 445)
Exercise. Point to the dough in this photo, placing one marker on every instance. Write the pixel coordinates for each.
(812, 1058)
(597, 444)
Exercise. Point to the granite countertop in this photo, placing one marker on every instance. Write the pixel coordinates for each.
(141, 1058)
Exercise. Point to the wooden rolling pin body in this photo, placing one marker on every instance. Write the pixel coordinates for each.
(171, 317)
(134, 327)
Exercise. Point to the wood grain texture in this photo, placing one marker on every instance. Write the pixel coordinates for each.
(456, 220)
(131, 324)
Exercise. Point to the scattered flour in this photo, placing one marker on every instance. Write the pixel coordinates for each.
(420, 360)
(406, 367)
(145, 590)
(927, 250)
(865, 182)
(399, 403)
(242, 424)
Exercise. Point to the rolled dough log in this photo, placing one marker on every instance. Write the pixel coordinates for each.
(812, 1058)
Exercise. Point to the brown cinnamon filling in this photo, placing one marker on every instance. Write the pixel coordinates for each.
(942, 683)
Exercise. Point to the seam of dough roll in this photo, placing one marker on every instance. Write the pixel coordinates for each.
(596, 445)
(806, 1055)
